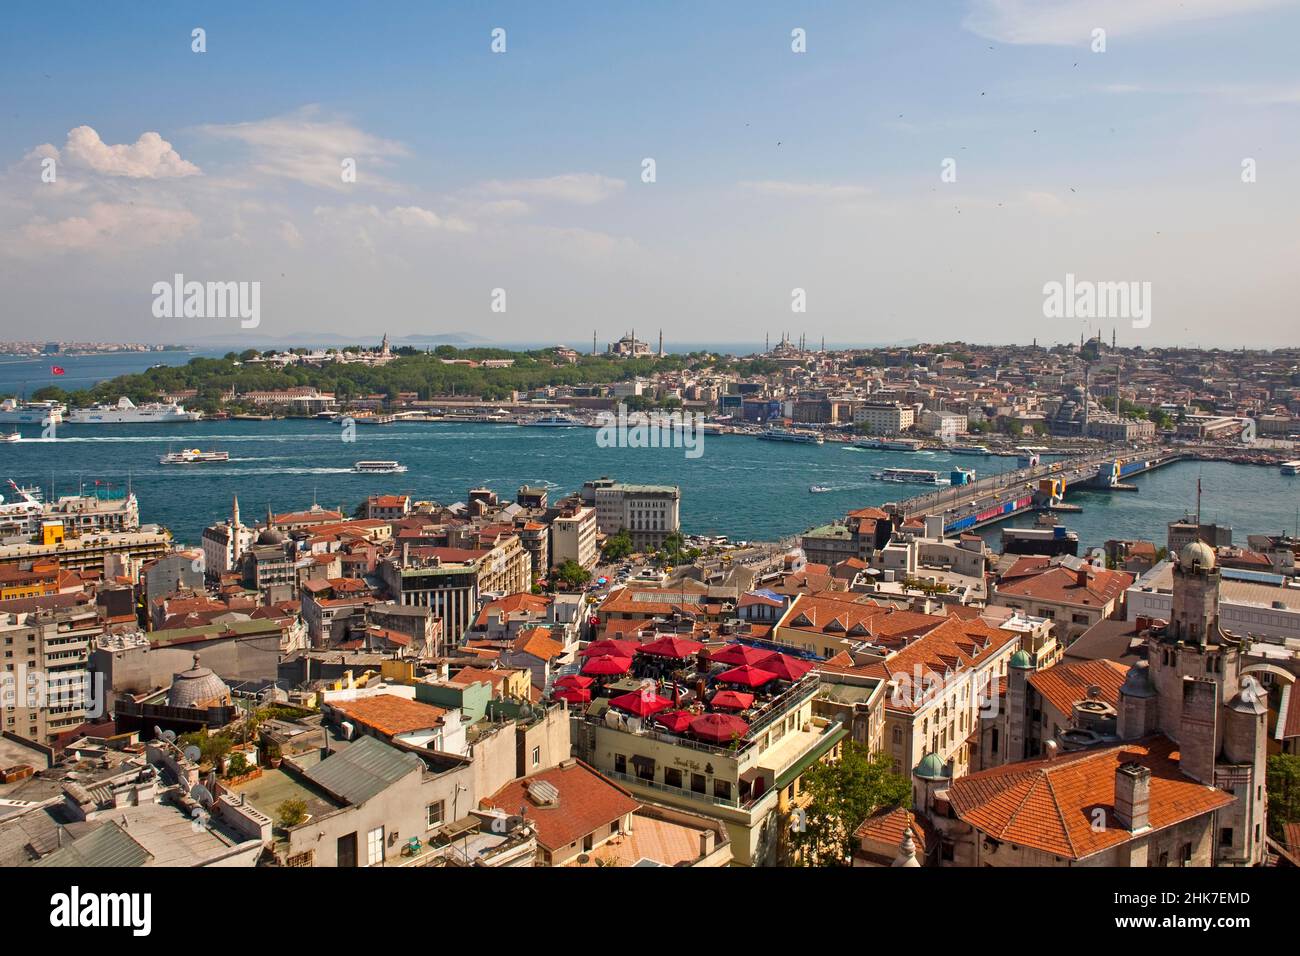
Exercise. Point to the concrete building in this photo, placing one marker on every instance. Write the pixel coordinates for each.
(884, 418)
(649, 512)
(573, 538)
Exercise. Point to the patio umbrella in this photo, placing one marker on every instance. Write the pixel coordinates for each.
(671, 646)
(574, 695)
(732, 700)
(718, 728)
(574, 681)
(738, 654)
(786, 667)
(747, 676)
(607, 665)
(675, 720)
(641, 704)
(615, 648)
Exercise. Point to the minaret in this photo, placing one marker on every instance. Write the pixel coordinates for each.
(235, 532)
(767, 341)
(661, 343)
(593, 341)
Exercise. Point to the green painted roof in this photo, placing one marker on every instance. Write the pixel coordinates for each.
(931, 767)
(1021, 659)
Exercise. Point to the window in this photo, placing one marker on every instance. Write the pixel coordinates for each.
(434, 814)
(673, 777)
(1225, 836)
(375, 847)
(697, 783)
(1185, 854)
(620, 763)
(537, 756)
(721, 789)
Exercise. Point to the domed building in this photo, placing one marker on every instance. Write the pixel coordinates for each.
(198, 689)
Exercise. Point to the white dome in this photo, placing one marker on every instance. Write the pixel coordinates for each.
(1196, 552)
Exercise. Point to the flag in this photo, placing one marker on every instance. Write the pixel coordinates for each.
(56, 370)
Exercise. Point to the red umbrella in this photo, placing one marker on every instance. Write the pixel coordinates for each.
(718, 728)
(610, 646)
(732, 700)
(786, 667)
(574, 681)
(640, 703)
(574, 695)
(671, 646)
(607, 665)
(675, 720)
(738, 654)
(747, 676)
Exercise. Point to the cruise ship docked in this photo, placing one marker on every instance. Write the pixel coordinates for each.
(791, 434)
(126, 412)
(14, 411)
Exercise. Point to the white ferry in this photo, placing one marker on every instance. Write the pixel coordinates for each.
(1291, 467)
(791, 434)
(968, 450)
(193, 456)
(14, 411)
(910, 476)
(378, 467)
(10, 436)
(552, 421)
(889, 444)
(126, 412)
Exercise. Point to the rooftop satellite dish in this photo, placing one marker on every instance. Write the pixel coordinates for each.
(201, 794)
(169, 736)
(157, 732)
(193, 754)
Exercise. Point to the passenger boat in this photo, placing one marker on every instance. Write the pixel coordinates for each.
(791, 434)
(193, 456)
(910, 476)
(378, 467)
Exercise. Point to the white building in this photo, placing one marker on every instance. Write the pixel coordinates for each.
(573, 538)
(884, 418)
(649, 512)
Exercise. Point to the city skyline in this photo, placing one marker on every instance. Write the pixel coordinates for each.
(774, 170)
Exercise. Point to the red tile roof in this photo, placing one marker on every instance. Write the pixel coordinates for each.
(389, 714)
(1036, 577)
(588, 803)
(1064, 685)
(1048, 804)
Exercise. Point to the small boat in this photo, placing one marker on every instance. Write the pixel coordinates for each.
(378, 467)
(11, 436)
(818, 489)
(1288, 467)
(193, 456)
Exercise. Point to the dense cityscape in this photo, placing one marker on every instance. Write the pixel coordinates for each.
(578, 679)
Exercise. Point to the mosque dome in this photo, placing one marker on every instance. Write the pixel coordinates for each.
(1022, 660)
(932, 767)
(197, 687)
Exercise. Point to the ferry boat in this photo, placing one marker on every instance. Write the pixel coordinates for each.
(14, 411)
(889, 444)
(193, 456)
(968, 450)
(1291, 467)
(10, 436)
(378, 467)
(552, 421)
(791, 434)
(910, 476)
(126, 412)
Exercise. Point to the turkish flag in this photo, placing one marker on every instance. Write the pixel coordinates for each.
(56, 369)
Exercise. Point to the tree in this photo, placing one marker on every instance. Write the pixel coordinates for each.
(237, 766)
(842, 794)
(291, 813)
(572, 574)
(618, 546)
(673, 542)
(1283, 776)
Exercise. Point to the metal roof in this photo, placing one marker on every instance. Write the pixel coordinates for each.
(363, 769)
(106, 845)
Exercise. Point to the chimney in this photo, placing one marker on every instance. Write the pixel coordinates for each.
(1133, 796)
(1049, 749)
(1081, 576)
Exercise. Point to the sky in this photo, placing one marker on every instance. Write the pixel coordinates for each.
(918, 171)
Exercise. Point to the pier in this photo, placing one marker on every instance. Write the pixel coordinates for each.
(995, 498)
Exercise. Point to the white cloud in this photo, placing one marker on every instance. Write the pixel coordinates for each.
(149, 157)
(584, 189)
(814, 191)
(111, 225)
(307, 148)
(1071, 22)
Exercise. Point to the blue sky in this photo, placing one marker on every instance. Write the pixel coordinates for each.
(775, 170)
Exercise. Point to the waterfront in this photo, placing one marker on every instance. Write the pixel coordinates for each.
(740, 487)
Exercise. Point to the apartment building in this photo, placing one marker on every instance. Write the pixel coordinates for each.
(573, 538)
(46, 688)
(884, 418)
(649, 512)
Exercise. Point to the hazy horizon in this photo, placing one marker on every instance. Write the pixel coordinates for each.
(919, 172)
